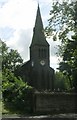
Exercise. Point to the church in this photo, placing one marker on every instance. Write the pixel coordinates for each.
(37, 71)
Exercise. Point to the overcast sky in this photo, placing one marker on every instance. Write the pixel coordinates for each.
(17, 19)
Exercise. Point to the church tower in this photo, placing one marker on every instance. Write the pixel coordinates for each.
(39, 56)
(37, 71)
(39, 49)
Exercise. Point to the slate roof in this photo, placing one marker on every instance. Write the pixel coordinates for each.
(38, 35)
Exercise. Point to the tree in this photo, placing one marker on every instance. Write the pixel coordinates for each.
(69, 64)
(0, 77)
(11, 58)
(0, 55)
(61, 82)
(17, 95)
(62, 24)
(62, 20)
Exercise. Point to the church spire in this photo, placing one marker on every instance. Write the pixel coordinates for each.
(38, 22)
(38, 32)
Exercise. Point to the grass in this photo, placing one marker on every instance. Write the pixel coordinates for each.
(0, 108)
(4, 110)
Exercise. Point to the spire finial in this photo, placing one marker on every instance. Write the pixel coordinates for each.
(38, 6)
(38, 3)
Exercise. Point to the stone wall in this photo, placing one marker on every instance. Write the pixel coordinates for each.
(46, 102)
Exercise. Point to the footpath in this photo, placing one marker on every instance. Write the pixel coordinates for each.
(42, 117)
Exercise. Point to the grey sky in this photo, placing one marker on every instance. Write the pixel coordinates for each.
(17, 19)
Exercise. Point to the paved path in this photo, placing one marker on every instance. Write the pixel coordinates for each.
(43, 117)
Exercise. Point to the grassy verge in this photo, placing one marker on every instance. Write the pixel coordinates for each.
(4, 110)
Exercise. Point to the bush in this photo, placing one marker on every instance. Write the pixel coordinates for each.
(61, 82)
(17, 95)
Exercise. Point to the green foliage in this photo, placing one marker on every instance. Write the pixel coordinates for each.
(61, 82)
(61, 20)
(62, 23)
(0, 55)
(11, 58)
(69, 64)
(17, 95)
(0, 79)
(0, 93)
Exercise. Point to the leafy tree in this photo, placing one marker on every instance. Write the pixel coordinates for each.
(69, 63)
(17, 95)
(11, 58)
(61, 82)
(62, 24)
(62, 20)
(0, 55)
(0, 78)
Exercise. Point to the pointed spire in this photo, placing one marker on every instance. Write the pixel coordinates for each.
(38, 34)
(38, 22)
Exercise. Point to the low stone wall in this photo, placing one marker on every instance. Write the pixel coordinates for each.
(46, 102)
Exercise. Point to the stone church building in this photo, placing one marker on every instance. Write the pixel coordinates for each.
(37, 71)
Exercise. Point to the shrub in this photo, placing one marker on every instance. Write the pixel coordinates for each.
(17, 95)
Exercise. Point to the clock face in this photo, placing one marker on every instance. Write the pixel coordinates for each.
(42, 62)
